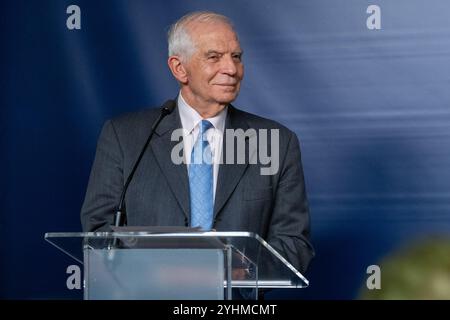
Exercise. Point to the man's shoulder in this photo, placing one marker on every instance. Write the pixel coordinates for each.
(136, 118)
(258, 122)
(132, 121)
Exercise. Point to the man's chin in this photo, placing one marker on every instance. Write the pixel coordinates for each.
(227, 98)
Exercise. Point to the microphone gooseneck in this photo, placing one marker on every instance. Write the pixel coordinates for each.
(120, 216)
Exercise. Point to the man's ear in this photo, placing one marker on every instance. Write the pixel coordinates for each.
(177, 68)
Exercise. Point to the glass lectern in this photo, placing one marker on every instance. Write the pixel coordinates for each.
(176, 265)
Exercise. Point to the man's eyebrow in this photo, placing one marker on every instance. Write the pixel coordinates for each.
(213, 52)
(219, 52)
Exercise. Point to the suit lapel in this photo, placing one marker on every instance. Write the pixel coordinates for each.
(175, 174)
(229, 174)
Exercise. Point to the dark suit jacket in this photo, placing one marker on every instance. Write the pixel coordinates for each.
(273, 206)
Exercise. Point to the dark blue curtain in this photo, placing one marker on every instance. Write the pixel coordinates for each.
(371, 109)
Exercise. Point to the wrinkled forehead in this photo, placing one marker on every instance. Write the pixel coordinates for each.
(213, 33)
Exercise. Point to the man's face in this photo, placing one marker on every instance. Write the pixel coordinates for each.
(215, 70)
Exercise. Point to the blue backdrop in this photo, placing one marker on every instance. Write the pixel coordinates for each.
(371, 109)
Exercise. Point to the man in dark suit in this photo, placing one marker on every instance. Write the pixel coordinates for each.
(206, 59)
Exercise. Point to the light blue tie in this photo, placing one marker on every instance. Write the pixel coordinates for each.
(201, 180)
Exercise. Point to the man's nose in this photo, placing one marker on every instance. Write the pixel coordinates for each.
(229, 65)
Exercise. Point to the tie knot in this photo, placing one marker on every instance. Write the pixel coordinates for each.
(205, 125)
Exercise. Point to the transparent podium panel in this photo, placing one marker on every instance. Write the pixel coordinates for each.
(154, 274)
(176, 265)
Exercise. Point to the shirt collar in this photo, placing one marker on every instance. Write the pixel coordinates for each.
(190, 117)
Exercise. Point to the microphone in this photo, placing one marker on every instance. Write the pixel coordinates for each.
(120, 216)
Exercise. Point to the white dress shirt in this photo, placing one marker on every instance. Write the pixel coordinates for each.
(190, 120)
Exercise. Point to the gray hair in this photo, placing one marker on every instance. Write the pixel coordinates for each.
(179, 39)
